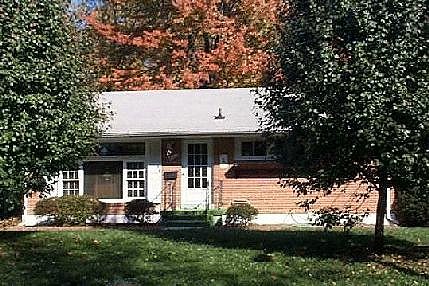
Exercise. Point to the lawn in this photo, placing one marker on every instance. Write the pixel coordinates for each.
(212, 257)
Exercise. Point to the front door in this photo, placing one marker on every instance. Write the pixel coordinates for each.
(196, 174)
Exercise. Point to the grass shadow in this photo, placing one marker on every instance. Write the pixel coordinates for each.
(72, 258)
(354, 247)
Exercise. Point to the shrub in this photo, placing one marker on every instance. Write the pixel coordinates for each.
(329, 217)
(140, 210)
(214, 216)
(412, 207)
(70, 210)
(240, 215)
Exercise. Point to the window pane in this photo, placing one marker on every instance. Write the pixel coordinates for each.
(197, 148)
(247, 149)
(197, 183)
(65, 175)
(204, 160)
(141, 193)
(191, 160)
(190, 148)
(141, 174)
(260, 148)
(205, 183)
(117, 149)
(141, 184)
(190, 183)
(190, 171)
(197, 172)
(131, 165)
(204, 171)
(197, 160)
(203, 148)
(103, 180)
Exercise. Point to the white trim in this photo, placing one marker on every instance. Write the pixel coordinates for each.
(261, 219)
(237, 149)
(114, 158)
(80, 176)
(184, 172)
(125, 180)
(302, 219)
(154, 171)
(34, 220)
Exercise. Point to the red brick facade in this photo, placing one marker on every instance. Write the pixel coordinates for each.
(259, 184)
(252, 181)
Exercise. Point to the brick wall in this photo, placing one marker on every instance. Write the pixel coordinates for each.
(258, 183)
(171, 162)
(31, 200)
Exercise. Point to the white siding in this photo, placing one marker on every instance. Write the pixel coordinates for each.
(154, 172)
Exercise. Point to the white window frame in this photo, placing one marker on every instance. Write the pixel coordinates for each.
(125, 160)
(125, 179)
(79, 178)
(238, 146)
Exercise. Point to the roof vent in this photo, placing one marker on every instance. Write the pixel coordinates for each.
(220, 115)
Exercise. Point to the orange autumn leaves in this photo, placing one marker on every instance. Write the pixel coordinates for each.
(172, 44)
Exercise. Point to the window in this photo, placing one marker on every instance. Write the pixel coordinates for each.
(103, 179)
(70, 182)
(121, 149)
(135, 179)
(112, 181)
(197, 166)
(251, 149)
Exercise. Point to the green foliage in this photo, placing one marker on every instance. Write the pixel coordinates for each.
(214, 216)
(412, 207)
(70, 210)
(48, 112)
(140, 210)
(302, 256)
(329, 217)
(240, 215)
(352, 92)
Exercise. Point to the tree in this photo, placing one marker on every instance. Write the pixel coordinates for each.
(172, 44)
(351, 94)
(49, 117)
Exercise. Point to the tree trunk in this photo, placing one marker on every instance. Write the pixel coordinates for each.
(381, 211)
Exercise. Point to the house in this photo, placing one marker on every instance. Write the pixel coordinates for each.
(190, 149)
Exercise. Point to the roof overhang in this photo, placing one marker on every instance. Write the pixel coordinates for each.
(161, 135)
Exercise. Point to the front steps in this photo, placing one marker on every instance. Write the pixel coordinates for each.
(184, 219)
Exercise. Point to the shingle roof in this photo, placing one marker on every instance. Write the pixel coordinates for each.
(182, 112)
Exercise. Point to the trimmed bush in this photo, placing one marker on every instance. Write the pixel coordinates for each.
(70, 210)
(240, 215)
(140, 210)
(329, 217)
(412, 207)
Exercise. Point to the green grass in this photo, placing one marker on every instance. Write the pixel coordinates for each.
(212, 257)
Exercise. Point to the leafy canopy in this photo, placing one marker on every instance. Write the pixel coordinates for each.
(352, 91)
(172, 44)
(48, 114)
